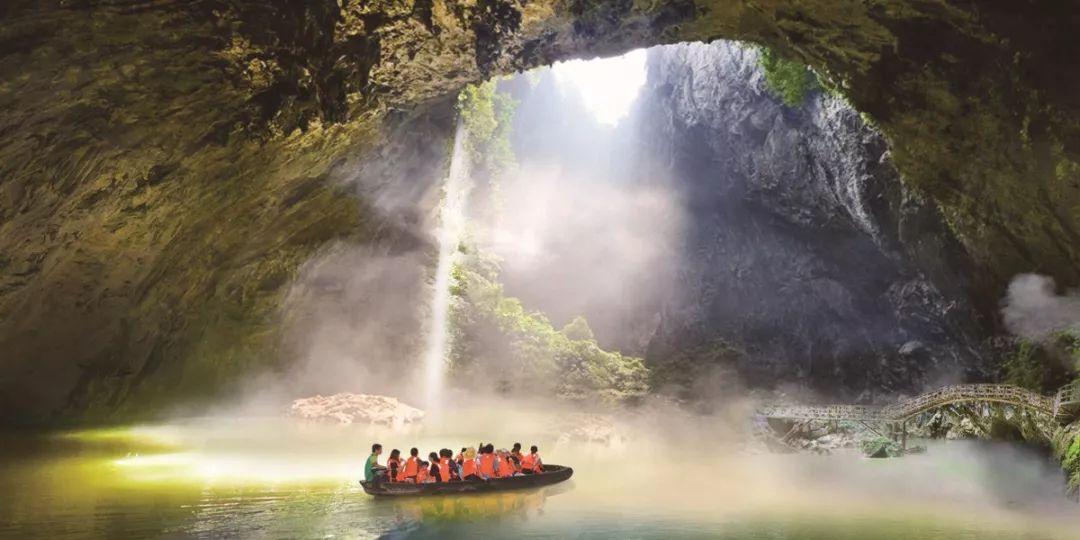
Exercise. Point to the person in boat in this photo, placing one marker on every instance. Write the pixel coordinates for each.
(433, 468)
(443, 464)
(487, 462)
(455, 466)
(412, 466)
(393, 466)
(423, 475)
(516, 453)
(469, 468)
(531, 464)
(504, 467)
(460, 458)
(371, 466)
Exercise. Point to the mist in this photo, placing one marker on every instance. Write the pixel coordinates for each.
(348, 312)
(1034, 309)
(654, 462)
(585, 226)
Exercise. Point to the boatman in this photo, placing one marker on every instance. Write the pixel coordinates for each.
(372, 466)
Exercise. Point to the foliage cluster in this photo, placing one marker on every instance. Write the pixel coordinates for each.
(1023, 368)
(1066, 444)
(1068, 342)
(788, 80)
(880, 447)
(497, 342)
(1040, 367)
(487, 116)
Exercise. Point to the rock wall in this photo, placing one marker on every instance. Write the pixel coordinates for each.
(806, 259)
(167, 165)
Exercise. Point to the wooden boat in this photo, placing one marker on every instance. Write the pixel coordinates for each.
(552, 474)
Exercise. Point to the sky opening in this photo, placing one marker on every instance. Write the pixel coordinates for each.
(608, 86)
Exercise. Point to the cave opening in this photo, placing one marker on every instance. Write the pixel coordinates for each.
(698, 207)
(248, 225)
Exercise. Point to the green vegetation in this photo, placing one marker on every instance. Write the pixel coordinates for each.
(578, 330)
(880, 447)
(497, 342)
(1066, 445)
(788, 80)
(1068, 342)
(1043, 367)
(487, 116)
(1023, 368)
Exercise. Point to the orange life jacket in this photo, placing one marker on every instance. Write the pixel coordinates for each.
(528, 463)
(487, 465)
(468, 467)
(506, 468)
(518, 456)
(422, 475)
(412, 466)
(391, 464)
(444, 470)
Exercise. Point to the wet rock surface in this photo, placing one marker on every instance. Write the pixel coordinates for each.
(805, 256)
(346, 408)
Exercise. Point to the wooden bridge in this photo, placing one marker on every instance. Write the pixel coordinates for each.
(1064, 406)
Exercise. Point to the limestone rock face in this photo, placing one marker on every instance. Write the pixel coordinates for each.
(166, 166)
(346, 408)
(804, 252)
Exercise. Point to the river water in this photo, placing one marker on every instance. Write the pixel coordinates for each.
(273, 479)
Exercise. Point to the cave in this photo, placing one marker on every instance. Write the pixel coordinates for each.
(202, 198)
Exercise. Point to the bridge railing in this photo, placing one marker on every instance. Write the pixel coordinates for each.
(1067, 399)
(1065, 403)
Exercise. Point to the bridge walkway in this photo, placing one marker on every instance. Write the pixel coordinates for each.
(1064, 406)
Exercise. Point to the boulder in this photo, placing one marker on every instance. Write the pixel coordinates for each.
(346, 408)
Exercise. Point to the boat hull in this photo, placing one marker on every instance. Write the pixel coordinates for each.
(552, 475)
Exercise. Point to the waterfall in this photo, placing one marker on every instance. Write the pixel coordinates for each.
(449, 234)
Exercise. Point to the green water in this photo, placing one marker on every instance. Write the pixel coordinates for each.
(287, 482)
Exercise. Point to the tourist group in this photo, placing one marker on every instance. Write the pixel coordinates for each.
(469, 465)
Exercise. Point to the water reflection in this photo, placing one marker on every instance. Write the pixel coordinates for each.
(202, 484)
(513, 505)
(491, 509)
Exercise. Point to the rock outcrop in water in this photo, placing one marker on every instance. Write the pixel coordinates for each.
(806, 259)
(167, 165)
(346, 408)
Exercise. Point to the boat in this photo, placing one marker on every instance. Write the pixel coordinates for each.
(552, 474)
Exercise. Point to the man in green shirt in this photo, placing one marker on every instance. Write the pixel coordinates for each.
(372, 463)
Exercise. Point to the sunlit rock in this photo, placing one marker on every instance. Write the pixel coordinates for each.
(591, 430)
(347, 408)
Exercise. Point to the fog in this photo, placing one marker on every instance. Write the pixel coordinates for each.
(653, 463)
(579, 226)
(587, 225)
(1033, 308)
